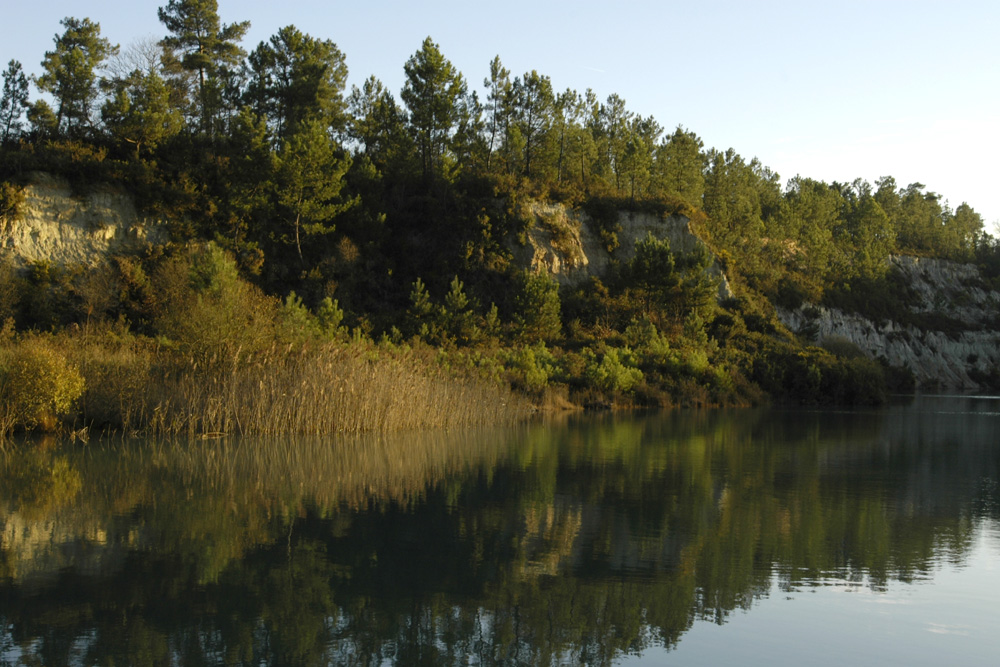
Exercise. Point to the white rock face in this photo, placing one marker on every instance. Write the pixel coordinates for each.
(64, 229)
(936, 358)
(563, 244)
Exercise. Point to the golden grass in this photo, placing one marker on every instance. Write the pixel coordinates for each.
(318, 390)
(313, 389)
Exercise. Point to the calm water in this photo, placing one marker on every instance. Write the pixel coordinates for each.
(751, 537)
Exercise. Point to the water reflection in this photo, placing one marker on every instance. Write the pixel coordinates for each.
(577, 541)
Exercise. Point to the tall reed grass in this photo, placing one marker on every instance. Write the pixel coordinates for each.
(319, 388)
(314, 390)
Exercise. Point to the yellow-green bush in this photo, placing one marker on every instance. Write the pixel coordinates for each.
(208, 312)
(38, 385)
(530, 368)
(615, 373)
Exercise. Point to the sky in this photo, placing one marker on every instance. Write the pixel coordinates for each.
(829, 90)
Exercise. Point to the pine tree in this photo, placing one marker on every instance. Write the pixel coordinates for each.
(434, 93)
(206, 47)
(71, 73)
(14, 101)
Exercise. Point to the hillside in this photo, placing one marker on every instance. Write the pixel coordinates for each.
(226, 230)
(948, 338)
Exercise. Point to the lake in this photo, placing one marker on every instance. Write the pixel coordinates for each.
(769, 537)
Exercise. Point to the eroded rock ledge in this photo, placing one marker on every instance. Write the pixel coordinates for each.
(944, 359)
(57, 226)
(562, 243)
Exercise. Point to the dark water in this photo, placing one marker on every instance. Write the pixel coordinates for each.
(751, 537)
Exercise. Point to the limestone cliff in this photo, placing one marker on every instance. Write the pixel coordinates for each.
(952, 359)
(563, 243)
(55, 225)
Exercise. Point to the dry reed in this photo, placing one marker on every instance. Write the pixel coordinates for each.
(134, 385)
(307, 390)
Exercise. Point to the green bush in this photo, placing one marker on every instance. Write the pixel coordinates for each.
(613, 374)
(650, 343)
(531, 367)
(11, 201)
(209, 312)
(537, 307)
(38, 385)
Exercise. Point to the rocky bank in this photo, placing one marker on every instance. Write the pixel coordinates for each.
(563, 243)
(949, 359)
(58, 226)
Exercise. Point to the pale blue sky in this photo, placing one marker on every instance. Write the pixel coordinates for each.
(832, 90)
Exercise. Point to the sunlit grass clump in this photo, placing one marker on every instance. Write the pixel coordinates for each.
(315, 390)
(38, 385)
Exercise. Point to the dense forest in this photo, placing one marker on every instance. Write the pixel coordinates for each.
(305, 214)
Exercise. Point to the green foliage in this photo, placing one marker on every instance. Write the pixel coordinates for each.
(304, 190)
(737, 198)
(814, 376)
(870, 234)
(679, 169)
(213, 271)
(200, 44)
(211, 313)
(841, 347)
(420, 302)
(296, 78)
(14, 101)
(889, 297)
(37, 384)
(531, 367)
(379, 124)
(612, 372)
(649, 343)
(457, 317)
(71, 73)
(603, 215)
(309, 178)
(662, 286)
(537, 307)
(139, 111)
(11, 289)
(11, 202)
(812, 211)
(295, 323)
(330, 315)
(435, 94)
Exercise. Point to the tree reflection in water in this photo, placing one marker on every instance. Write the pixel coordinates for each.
(551, 543)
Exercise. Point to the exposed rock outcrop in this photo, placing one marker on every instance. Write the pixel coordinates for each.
(59, 227)
(562, 242)
(950, 359)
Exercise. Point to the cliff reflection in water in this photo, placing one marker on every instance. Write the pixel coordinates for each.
(575, 541)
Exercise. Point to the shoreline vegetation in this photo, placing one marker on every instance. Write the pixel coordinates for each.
(340, 260)
(107, 380)
(236, 362)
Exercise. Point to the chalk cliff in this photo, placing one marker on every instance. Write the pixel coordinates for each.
(57, 226)
(953, 359)
(563, 243)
